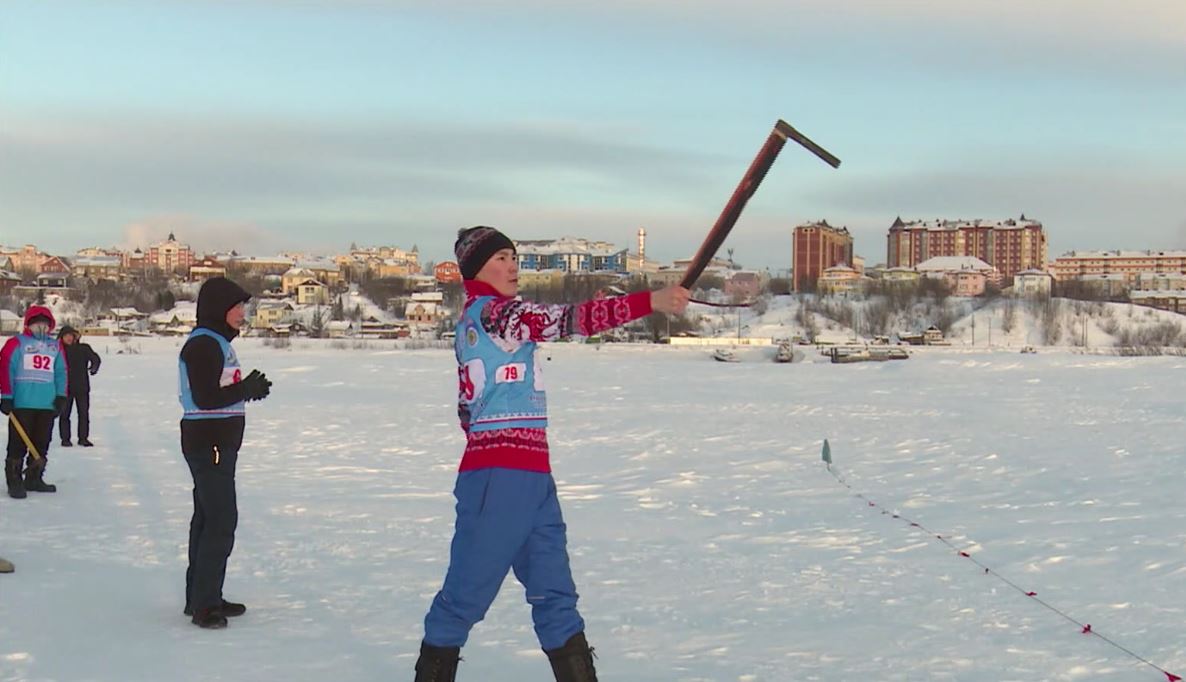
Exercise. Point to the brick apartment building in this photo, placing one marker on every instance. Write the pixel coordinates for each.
(1011, 246)
(815, 248)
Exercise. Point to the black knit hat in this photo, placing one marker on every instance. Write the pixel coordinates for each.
(475, 246)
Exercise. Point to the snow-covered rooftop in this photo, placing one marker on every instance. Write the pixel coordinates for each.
(1123, 254)
(565, 245)
(958, 223)
(948, 263)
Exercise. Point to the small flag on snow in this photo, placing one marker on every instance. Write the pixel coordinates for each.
(826, 455)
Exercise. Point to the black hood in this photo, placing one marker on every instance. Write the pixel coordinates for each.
(215, 298)
(69, 330)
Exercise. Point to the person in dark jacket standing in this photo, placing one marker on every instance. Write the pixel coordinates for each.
(213, 395)
(82, 363)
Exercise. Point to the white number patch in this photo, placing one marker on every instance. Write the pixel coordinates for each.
(39, 363)
(511, 373)
(230, 375)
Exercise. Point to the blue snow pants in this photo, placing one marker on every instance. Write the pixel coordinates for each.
(507, 519)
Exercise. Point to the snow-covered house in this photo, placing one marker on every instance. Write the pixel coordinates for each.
(10, 322)
(268, 314)
(336, 329)
(312, 292)
(9, 281)
(374, 328)
(966, 275)
(179, 321)
(294, 277)
(424, 312)
(1033, 283)
(838, 278)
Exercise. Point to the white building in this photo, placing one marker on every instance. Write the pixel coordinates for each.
(1033, 283)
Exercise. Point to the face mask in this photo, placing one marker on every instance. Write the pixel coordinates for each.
(39, 328)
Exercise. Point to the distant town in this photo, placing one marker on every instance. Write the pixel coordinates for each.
(387, 292)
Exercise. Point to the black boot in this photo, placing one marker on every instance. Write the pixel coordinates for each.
(35, 479)
(12, 476)
(86, 442)
(573, 662)
(437, 663)
(209, 619)
(229, 609)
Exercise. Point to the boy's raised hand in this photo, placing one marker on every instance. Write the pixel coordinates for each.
(671, 300)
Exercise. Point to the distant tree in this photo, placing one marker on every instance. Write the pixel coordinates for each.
(382, 290)
(317, 322)
(165, 300)
(779, 286)
(806, 320)
(709, 281)
(934, 287)
(1083, 291)
(760, 305)
(454, 295)
(1009, 315)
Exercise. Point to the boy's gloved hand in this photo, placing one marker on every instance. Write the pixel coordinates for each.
(256, 386)
(59, 405)
(6, 405)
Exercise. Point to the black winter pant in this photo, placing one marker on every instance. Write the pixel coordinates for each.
(211, 449)
(39, 425)
(84, 416)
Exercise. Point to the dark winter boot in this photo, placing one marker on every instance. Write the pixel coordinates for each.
(437, 663)
(86, 442)
(209, 619)
(229, 609)
(12, 476)
(66, 443)
(573, 662)
(35, 479)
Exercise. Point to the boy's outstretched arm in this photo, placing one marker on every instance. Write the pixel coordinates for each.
(522, 321)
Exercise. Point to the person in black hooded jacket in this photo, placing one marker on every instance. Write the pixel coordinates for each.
(213, 394)
(82, 363)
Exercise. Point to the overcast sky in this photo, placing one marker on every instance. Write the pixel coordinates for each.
(266, 124)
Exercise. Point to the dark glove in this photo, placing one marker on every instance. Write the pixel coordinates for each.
(93, 371)
(256, 386)
(59, 405)
(6, 405)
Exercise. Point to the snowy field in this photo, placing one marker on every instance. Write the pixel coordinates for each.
(708, 540)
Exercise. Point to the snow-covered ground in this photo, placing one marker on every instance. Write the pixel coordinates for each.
(708, 540)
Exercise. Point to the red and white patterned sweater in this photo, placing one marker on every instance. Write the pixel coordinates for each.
(513, 322)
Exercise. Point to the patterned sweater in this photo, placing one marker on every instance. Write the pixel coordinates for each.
(512, 322)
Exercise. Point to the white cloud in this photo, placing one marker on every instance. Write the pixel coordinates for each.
(204, 236)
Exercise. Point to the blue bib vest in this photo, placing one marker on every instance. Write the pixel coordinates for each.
(37, 371)
(231, 374)
(503, 389)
